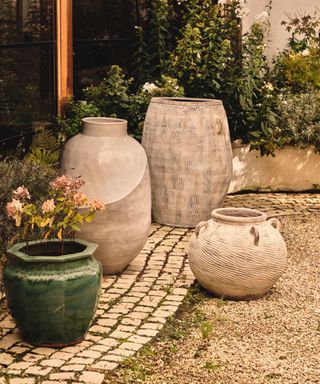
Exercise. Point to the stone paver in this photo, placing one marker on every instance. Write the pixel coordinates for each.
(134, 306)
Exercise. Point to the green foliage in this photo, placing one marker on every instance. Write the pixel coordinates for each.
(212, 365)
(204, 54)
(210, 62)
(299, 119)
(43, 157)
(45, 148)
(14, 173)
(70, 121)
(298, 66)
(44, 138)
(196, 48)
(141, 58)
(302, 69)
(57, 216)
(206, 329)
(305, 29)
(154, 43)
(113, 97)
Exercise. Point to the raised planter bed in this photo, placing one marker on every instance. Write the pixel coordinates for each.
(291, 169)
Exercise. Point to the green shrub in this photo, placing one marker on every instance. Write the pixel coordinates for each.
(196, 48)
(301, 70)
(299, 119)
(297, 67)
(45, 148)
(70, 122)
(15, 173)
(113, 97)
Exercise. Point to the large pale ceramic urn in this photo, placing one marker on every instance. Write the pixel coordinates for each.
(115, 169)
(189, 152)
(238, 253)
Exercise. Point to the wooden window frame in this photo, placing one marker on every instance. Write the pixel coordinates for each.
(64, 51)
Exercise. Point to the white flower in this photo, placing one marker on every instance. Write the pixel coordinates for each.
(306, 52)
(149, 87)
(222, 2)
(268, 86)
(262, 17)
(242, 12)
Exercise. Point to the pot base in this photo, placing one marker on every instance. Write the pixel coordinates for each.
(55, 345)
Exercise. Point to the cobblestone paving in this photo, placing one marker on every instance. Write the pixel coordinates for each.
(133, 306)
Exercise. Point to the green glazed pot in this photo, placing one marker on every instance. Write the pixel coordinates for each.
(52, 298)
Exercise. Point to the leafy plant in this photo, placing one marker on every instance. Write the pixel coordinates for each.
(45, 148)
(43, 156)
(301, 69)
(56, 217)
(70, 121)
(13, 173)
(154, 42)
(113, 97)
(206, 329)
(297, 67)
(299, 119)
(305, 29)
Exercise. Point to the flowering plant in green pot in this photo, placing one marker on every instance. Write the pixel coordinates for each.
(58, 216)
(52, 282)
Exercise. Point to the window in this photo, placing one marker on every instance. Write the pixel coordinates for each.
(27, 63)
(103, 32)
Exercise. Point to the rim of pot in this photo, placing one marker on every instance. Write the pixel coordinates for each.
(239, 215)
(16, 252)
(186, 101)
(104, 120)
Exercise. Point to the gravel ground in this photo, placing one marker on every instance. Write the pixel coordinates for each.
(272, 340)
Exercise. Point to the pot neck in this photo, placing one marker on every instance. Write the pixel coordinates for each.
(104, 126)
(239, 216)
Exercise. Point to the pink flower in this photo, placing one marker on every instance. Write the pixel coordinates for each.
(21, 193)
(48, 206)
(14, 207)
(67, 184)
(79, 199)
(97, 204)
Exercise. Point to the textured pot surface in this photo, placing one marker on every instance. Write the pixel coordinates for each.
(238, 253)
(115, 169)
(52, 298)
(189, 152)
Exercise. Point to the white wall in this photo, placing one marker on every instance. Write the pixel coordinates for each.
(278, 35)
(292, 169)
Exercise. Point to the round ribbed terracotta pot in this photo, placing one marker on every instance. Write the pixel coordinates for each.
(189, 151)
(115, 169)
(238, 253)
(52, 297)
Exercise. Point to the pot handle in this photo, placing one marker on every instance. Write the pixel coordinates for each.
(199, 226)
(275, 223)
(254, 231)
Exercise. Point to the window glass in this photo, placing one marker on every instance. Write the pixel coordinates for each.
(103, 35)
(27, 63)
(26, 21)
(104, 19)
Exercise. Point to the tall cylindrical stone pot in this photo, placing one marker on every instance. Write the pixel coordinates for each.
(188, 146)
(115, 169)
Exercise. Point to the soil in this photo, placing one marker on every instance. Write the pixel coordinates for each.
(275, 339)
